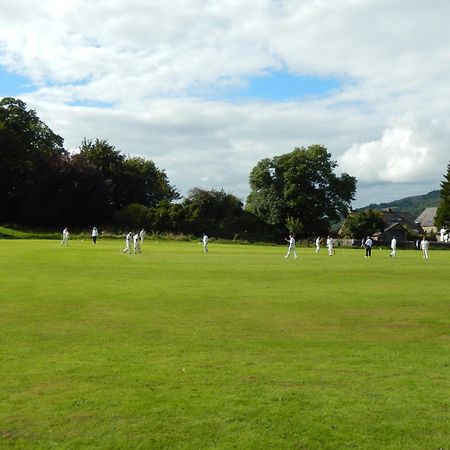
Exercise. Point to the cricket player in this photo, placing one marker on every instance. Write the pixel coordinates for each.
(65, 237)
(393, 247)
(291, 247)
(128, 239)
(317, 244)
(424, 245)
(368, 244)
(205, 242)
(94, 235)
(142, 235)
(137, 243)
(330, 245)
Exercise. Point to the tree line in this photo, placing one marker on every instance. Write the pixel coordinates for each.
(42, 184)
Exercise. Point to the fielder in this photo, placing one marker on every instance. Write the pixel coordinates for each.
(128, 239)
(137, 243)
(205, 242)
(317, 244)
(291, 247)
(393, 248)
(330, 245)
(424, 245)
(65, 237)
(142, 235)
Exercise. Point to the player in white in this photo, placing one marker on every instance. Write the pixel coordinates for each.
(393, 247)
(205, 241)
(94, 235)
(65, 237)
(291, 247)
(142, 235)
(368, 244)
(137, 244)
(128, 239)
(424, 245)
(330, 245)
(317, 244)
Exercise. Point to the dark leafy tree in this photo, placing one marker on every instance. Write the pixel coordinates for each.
(130, 180)
(363, 223)
(133, 216)
(142, 182)
(300, 189)
(214, 212)
(443, 213)
(168, 217)
(85, 195)
(30, 155)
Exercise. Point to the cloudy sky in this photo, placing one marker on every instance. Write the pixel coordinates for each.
(208, 88)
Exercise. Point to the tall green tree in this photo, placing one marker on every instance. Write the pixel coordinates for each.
(31, 155)
(129, 179)
(300, 188)
(214, 212)
(363, 223)
(443, 213)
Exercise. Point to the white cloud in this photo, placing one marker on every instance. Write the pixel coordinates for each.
(393, 158)
(387, 124)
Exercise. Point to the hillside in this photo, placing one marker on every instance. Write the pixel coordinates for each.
(412, 205)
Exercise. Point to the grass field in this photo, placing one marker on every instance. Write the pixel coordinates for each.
(239, 348)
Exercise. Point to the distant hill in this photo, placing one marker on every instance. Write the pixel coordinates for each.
(412, 205)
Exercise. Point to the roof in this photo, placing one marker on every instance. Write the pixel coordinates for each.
(426, 219)
(391, 218)
(395, 225)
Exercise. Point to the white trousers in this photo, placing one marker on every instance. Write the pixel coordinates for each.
(291, 249)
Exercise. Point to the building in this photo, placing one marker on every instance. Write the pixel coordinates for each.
(395, 230)
(426, 220)
(399, 225)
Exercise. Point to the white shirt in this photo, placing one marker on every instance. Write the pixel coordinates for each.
(394, 243)
(205, 239)
(424, 244)
(368, 242)
(94, 232)
(318, 241)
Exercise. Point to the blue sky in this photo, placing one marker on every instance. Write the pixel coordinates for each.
(281, 86)
(270, 86)
(11, 84)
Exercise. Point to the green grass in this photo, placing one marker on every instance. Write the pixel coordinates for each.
(239, 348)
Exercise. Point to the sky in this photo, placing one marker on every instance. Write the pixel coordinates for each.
(206, 89)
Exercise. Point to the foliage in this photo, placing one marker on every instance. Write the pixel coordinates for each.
(126, 180)
(30, 156)
(363, 223)
(300, 185)
(42, 184)
(443, 213)
(132, 216)
(213, 212)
